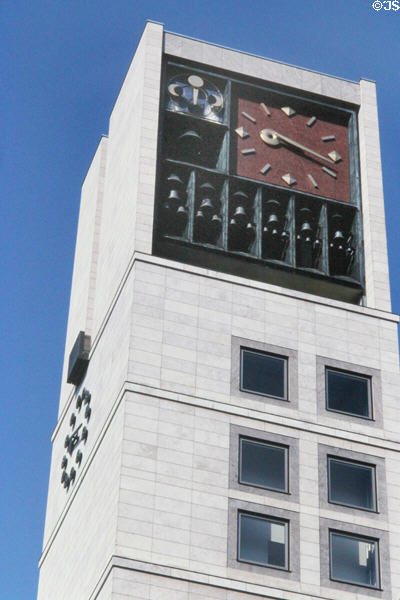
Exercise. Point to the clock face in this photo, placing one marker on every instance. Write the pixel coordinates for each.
(293, 144)
(76, 439)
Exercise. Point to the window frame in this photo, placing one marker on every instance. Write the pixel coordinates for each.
(273, 513)
(272, 437)
(370, 416)
(253, 399)
(347, 419)
(254, 440)
(341, 459)
(285, 360)
(363, 538)
(351, 528)
(269, 519)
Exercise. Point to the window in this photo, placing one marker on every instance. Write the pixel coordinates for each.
(264, 374)
(263, 465)
(263, 541)
(348, 393)
(351, 483)
(354, 559)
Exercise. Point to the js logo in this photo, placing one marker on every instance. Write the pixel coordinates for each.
(386, 5)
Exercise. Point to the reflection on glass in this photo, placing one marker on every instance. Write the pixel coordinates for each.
(354, 560)
(352, 484)
(348, 393)
(263, 374)
(262, 541)
(263, 465)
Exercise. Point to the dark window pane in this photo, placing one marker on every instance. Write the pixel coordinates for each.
(354, 560)
(263, 374)
(352, 484)
(262, 541)
(348, 393)
(263, 465)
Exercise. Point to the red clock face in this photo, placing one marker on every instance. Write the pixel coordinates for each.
(297, 146)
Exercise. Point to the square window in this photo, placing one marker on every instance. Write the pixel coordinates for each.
(351, 484)
(263, 541)
(354, 559)
(264, 374)
(348, 393)
(263, 465)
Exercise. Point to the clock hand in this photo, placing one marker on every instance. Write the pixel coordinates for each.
(271, 137)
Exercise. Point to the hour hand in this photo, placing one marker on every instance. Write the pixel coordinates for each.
(273, 138)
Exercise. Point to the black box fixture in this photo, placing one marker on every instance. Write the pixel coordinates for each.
(79, 359)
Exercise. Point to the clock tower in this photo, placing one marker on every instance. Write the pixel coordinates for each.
(228, 421)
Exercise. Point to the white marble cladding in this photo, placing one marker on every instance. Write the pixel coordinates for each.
(262, 68)
(182, 323)
(173, 504)
(84, 538)
(127, 221)
(105, 380)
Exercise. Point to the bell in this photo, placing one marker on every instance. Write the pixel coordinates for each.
(216, 226)
(206, 205)
(174, 195)
(240, 198)
(338, 235)
(166, 208)
(181, 218)
(240, 215)
(273, 219)
(175, 180)
(305, 229)
(190, 135)
(250, 233)
(207, 189)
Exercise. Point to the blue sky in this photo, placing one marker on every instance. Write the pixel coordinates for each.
(63, 63)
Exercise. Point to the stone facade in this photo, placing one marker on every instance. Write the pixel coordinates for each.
(151, 512)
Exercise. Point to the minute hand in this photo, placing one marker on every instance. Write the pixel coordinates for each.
(301, 147)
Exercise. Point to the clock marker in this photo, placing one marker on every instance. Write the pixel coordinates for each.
(265, 108)
(311, 122)
(331, 173)
(311, 178)
(249, 117)
(290, 112)
(265, 169)
(335, 156)
(242, 132)
(328, 138)
(249, 151)
(288, 179)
